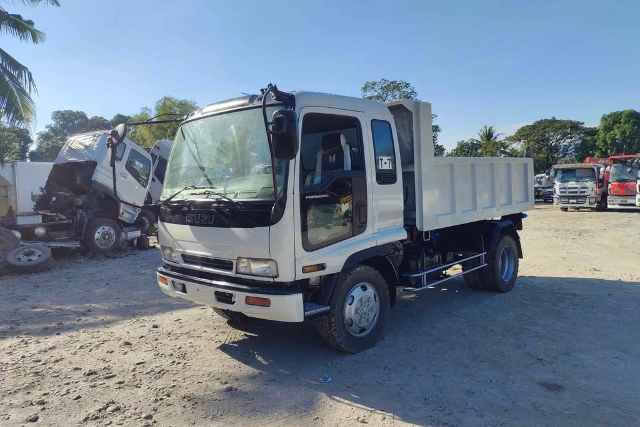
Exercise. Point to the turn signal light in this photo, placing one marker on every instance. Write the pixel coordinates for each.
(261, 302)
(163, 280)
(313, 268)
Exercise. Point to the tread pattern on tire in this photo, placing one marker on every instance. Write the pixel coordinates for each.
(488, 274)
(327, 324)
(47, 263)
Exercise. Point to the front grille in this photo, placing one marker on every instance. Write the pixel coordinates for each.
(218, 264)
(578, 200)
(573, 191)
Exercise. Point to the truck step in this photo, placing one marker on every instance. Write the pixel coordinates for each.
(312, 310)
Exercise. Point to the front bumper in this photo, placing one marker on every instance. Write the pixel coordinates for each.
(575, 201)
(284, 307)
(622, 202)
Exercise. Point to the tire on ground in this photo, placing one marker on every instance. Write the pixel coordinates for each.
(142, 243)
(8, 242)
(564, 209)
(333, 327)
(472, 279)
(231, 316)
(30, 259)
(147, 221)
(501, 271)
(102, 235)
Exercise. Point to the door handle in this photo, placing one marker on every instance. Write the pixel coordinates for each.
(153, 180)
(362, 214)
(124, 175)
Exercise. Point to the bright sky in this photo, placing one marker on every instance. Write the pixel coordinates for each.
(502, 63)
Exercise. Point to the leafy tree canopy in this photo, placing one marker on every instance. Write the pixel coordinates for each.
(384, 90)
(14, 143)
(166, 108)
(619, 133)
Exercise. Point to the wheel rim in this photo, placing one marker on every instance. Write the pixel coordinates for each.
(507, 263)
(145, 223)
(105, 236)
(28, 255)
(361, 309)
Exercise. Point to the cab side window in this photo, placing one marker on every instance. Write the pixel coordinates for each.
(122, 147)
(384, 152)
(139, 167)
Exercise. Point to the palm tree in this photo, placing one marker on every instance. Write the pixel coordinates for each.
(16, 81)
(490, 143)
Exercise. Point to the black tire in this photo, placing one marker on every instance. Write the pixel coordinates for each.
(109, 238)
(564, 209)
(147, 221)
(142, 243)
(30, 259)
(334, 328)
(501, 271)
(8, 242)
(472, 279)
(232, 316)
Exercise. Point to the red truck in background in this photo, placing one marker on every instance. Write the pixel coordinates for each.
(623, 182)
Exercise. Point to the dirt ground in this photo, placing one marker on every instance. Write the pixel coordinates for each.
(95, 342)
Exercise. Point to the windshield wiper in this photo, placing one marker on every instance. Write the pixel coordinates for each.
(215, 193)
(168, 199)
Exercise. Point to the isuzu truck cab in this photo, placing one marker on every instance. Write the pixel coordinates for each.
(361, 209)
(579, 185)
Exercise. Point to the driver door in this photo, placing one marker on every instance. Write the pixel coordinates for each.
(133, 175)
(333, 200)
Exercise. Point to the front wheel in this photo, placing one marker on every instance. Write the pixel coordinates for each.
(359, 311)
(147, 221)
(102, 235)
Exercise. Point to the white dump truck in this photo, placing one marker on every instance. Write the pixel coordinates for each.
(20, 186)
(361, 209)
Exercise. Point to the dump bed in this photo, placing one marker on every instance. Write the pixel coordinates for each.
(446, 191)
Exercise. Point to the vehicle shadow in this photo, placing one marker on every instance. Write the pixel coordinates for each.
(454, 356)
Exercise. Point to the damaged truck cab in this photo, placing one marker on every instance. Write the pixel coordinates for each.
(79, 206)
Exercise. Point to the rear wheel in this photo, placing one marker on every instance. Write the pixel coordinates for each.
(501, 271)
(359, 311)
(102, 235)
(8, 242)
(147, 221)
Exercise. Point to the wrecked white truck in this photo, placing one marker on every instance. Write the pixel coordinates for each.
(79, 206)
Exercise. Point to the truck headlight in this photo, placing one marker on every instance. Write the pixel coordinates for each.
(257, 267)
(168, 254)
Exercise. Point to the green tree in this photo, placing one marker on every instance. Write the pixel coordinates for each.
(65, 124)
(490, 143)
(16, 81)
(588, 145)
(550, 140)
(14, 143)
(167, 107)
(619, 133)
(385, 90)
(469, 148)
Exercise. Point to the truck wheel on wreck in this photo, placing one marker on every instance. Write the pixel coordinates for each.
(501, 271)
(8, 242)
(102, 235)
(147, 221)
(30, 259)
(359, 311)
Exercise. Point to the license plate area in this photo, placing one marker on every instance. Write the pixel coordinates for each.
(225, 297)
(573, 201)
(179, 287)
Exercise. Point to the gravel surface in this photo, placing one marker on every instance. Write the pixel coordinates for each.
(95, 342)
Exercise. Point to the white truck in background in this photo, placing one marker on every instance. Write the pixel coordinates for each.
(580, 185)
(148, 217)
(361, 208)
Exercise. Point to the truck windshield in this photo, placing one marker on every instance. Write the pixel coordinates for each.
(623, 173)
(227, 153)
(582, 174)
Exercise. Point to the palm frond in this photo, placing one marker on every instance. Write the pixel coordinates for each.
(24, 29)
(16, 86)
(35, 2)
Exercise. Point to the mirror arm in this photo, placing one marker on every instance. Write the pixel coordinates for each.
(268, 128)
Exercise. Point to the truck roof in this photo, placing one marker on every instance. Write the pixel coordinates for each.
(303, 98)
(575, 166)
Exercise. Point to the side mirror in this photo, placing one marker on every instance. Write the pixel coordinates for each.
(119, 133)
(284, 137)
